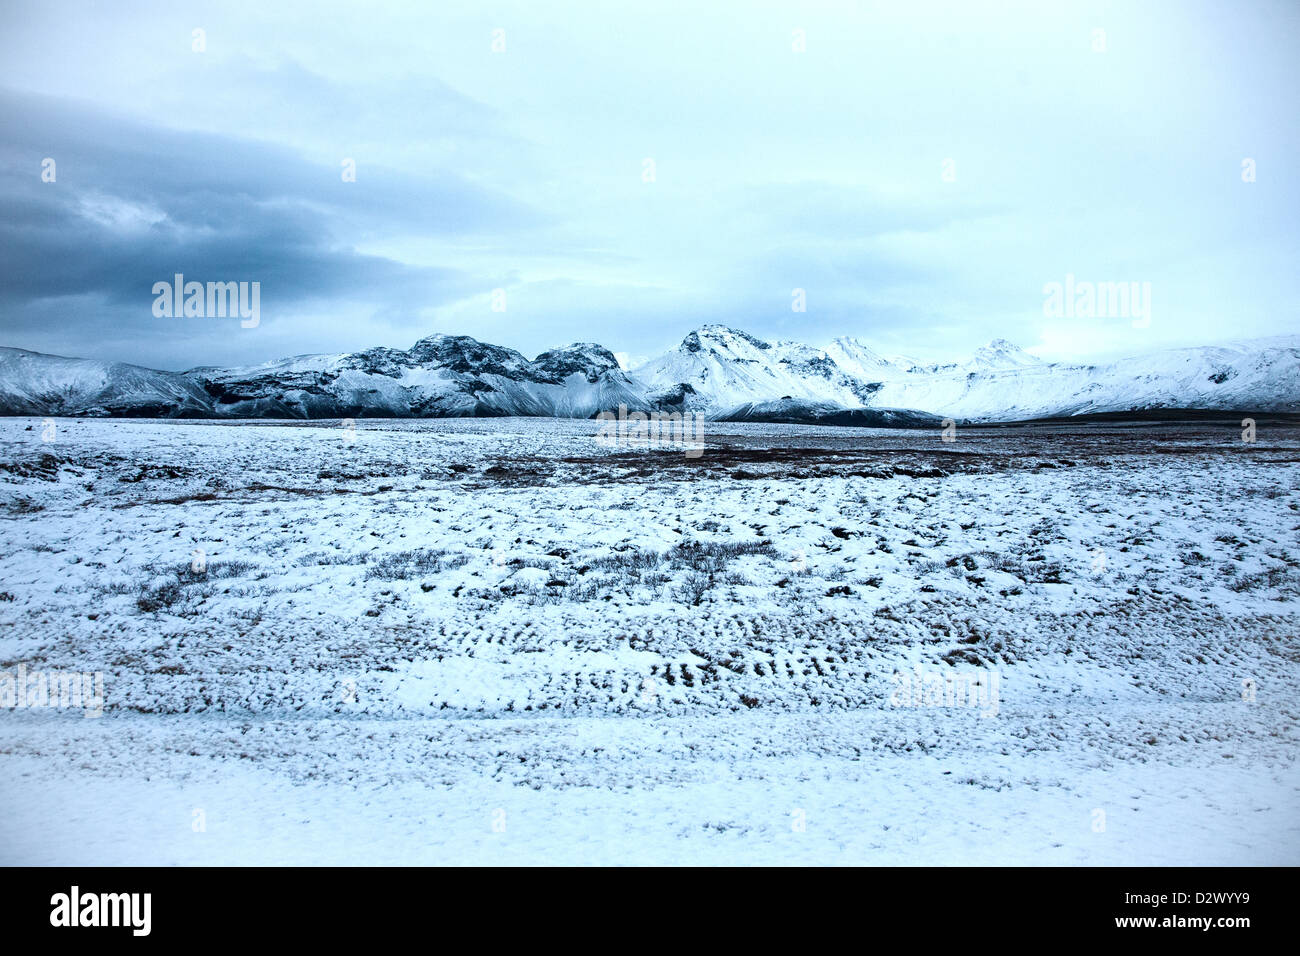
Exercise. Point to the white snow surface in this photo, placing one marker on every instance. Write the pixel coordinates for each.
(500, 641)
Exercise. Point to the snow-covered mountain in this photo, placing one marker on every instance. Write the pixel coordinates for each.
(863, 362)
(442, 376)
(719, 372)
(720, 368)
(32, 383)
(1000, 354)
(1263, 375)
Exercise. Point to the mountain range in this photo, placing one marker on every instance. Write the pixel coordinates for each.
(716, 371)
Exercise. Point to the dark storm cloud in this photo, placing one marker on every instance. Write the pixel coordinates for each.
(133, 204)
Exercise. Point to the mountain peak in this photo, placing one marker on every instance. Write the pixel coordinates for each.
(585, 358)
(860, 360)
(1001, 353)
(722, 338)
(462, 353)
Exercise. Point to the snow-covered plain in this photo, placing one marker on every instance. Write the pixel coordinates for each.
(502, 641)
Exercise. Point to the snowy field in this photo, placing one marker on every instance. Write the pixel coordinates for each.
(501, 641)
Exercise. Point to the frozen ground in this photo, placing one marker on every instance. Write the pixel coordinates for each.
(499, 641)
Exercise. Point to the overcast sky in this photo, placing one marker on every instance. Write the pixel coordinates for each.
(525, 170)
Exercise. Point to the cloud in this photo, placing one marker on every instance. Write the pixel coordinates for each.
(776, 170)
(134, 203)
